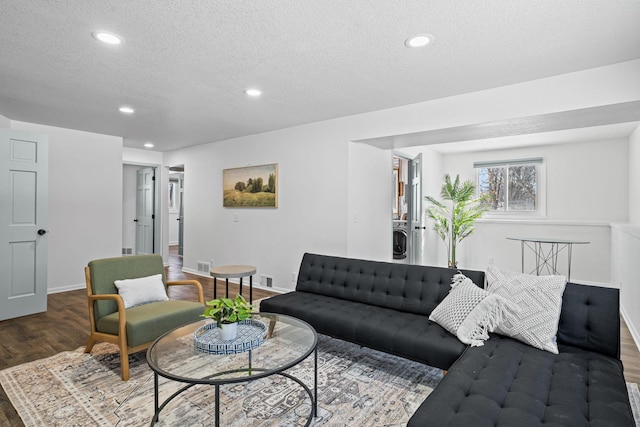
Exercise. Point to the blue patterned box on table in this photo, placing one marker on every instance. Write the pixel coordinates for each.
(250, 335)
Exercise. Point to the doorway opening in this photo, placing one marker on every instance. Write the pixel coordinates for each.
(140, 207)
(399, 207)
(176, 209)
(407, 217)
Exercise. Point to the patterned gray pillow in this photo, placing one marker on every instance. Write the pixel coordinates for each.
(469, 312)
(539, 299)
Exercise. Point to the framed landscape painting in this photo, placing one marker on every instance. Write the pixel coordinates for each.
(250, 187)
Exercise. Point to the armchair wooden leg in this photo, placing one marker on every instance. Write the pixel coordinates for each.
(90, 343)
(124, 364)
(124, 357)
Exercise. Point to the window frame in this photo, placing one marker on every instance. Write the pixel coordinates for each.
(541, 187)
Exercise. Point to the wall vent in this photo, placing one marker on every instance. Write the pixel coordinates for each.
(266, 280)
(127, 251)
(204, 267)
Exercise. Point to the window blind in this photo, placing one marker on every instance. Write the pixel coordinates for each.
(507, 162)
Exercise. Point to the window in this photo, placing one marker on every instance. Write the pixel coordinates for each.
(512, 187)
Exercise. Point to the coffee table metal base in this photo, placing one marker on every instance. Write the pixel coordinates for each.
(312, 395)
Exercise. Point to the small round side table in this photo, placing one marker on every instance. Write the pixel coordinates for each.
(227, 271)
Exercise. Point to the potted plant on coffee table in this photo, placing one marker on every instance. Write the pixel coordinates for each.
(227, 313)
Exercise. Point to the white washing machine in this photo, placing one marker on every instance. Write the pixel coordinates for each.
(399, 239)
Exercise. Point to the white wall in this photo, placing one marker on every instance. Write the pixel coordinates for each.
(318, 189)
(312, 201)
(586, 191)
(634, 177)
(374, 191)
(625, 246)
(320, 180)
(4, 122)
(625, 253)
(85, 201)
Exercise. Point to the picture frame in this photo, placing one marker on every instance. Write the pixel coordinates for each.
(250, 187)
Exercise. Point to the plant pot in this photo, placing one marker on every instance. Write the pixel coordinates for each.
(228, 331)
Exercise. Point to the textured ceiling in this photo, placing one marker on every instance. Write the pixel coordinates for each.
(184, 64)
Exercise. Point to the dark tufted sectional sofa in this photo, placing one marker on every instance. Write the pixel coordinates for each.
(386, 307)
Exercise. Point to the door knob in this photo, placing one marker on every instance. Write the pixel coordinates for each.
(42, 232)
(135, 220)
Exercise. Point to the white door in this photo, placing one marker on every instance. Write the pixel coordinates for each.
(24, 161)
(415, 226)
(145, 215)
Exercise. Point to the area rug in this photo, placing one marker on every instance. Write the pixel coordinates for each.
(356, 386)
(634, 398)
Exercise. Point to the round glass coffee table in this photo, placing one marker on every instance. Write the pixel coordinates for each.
(287, 342)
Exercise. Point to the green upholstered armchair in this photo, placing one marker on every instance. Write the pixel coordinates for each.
(133, 329)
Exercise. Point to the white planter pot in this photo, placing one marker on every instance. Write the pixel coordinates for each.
(228, 331)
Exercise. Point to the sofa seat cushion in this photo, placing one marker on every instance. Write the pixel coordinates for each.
(409, 335)
(508, 383)
(147, 322)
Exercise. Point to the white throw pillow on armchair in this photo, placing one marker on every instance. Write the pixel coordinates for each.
(142, 290)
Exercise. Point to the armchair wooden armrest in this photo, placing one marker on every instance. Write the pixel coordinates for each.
(120, 339)
(122, 314)
(195, 283)
(116, 297)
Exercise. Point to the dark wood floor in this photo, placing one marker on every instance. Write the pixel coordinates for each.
(64, 326)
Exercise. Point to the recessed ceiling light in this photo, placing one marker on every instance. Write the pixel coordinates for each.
(126, 110)
(253, 92)
(419, 40)
(108, 38)
(148, 145)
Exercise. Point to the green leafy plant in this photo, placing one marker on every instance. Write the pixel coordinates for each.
(226, 310)
(455, 217)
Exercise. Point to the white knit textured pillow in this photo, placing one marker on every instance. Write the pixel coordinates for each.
(469, 312)
(539, 299)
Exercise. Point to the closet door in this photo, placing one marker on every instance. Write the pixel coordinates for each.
(23, 223)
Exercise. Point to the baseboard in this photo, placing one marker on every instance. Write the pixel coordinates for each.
(195, 272)
(59, 289)
(635, 335)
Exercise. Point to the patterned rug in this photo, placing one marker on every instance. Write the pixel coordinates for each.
(356, 386)
(634, 398)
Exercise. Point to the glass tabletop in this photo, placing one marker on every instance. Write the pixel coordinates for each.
(287, 341)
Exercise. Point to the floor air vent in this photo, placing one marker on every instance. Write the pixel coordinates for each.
(266, 280)
(127, 251)
(204, 267)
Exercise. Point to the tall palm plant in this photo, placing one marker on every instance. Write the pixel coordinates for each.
(454, 221)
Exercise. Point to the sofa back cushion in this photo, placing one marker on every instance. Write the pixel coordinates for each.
(410, 288)
(590, 319)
